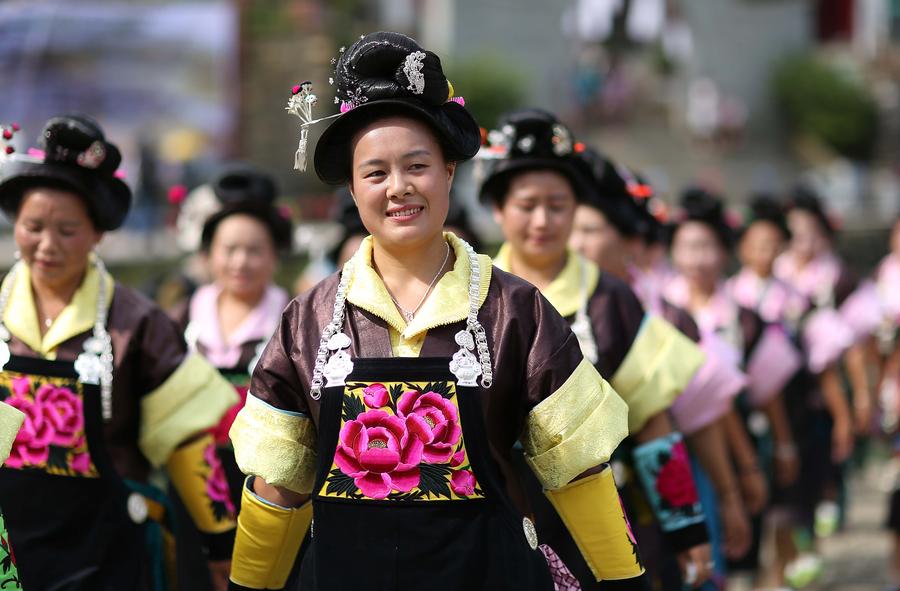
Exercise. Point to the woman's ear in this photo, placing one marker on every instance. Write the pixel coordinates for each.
(352, 195)
(497, 213)
(451, 173)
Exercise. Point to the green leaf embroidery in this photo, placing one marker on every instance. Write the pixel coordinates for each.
(341, 485)
(445, 389)
(434, 479)
(395, 391)
(353, 407)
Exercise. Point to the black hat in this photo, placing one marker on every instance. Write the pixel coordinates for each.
(805, 199)
(244, 189)
(765, 208)
(385, 74)
(609, 192)
(698, 205)
(527, 140)
(76, 158)
(653, 213)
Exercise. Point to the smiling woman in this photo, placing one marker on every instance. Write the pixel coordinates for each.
(105, 379)
(390, 398)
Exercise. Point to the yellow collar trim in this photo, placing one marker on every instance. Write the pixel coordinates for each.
(564, 292)
(77, 317)
(448, 302)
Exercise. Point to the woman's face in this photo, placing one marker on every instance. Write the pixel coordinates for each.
(807, 238)
(55, 235)
(760, 245)
(697, 253)
(598, 240)
(400, 182)
(242, 256)
(537, 215)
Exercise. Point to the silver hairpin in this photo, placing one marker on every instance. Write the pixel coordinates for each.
(301, 104)
(412, 67)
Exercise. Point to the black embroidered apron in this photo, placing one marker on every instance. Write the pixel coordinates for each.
(66, 507)
(407, 495)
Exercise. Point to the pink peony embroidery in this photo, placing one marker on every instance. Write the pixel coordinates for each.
(458, 458)
(378, 451)
(63, 410)
(21, 386)
(216, 483)
(375, 396)
(434, 420)
(81, 463)
(463, 483)
(32, 443)
(674, 481)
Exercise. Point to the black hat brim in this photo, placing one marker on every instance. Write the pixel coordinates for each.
(493, 189)
(456, 130)
(108, 198)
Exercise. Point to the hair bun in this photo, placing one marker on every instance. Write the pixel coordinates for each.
(78, 140)
(383, 65)
(243, 182)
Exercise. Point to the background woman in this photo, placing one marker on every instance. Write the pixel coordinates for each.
(104, 378)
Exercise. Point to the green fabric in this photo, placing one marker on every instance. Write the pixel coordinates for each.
(9, 575)
(153, 534)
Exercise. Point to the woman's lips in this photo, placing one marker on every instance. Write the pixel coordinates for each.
(405, 214)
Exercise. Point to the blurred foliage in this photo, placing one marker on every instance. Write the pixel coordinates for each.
(820, 100)
(490, 85)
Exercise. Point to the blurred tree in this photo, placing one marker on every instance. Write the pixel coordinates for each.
(490, 85)
(819, 100)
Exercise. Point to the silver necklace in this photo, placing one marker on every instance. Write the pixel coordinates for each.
(407, 315)
(95, 363)
(472, 360)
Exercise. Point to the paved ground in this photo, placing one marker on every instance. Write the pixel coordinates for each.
(856, 557)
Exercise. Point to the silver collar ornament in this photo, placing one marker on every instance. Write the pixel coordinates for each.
(412, 68)
(332, 369)
(581, 327)
(94, 365)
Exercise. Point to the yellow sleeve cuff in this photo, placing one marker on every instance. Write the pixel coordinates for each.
(267, 542)
(276, 445)
(11, 420)
(193, 399)
(575, 428)
(193, 474)
(657, 368)
(593, 514)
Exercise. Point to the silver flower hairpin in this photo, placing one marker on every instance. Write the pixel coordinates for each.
(412, 67)
(301, 104)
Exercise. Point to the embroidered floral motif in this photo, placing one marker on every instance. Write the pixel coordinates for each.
(52, 437)
(674, 481)
(217, 485)
(9, 575)
(401, 441)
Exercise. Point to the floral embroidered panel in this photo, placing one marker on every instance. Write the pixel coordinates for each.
(401, 441)
(52, 438)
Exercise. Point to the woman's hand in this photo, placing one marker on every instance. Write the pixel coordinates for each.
(787, 465)
(696, 565)
(219, 570)
(753, 489)
(735, 524)
(841, 440)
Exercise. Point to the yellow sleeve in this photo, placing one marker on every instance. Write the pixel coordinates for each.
(191, 400)
(277, 445)
(657, 368)
(575, 428)
(11, 420)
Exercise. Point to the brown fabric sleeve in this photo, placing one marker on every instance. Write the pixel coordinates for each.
(275, 380)
(616, 315)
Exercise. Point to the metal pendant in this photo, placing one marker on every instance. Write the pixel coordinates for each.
(585, 335)
(137, 508)
(89, 368)
(464, 365)
(530, 533)
(4, 354)
(339, 365)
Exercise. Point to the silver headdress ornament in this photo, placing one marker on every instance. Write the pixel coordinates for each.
(412, 67)
(301, 104)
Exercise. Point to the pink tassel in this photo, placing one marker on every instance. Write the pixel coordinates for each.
(459, 101)
(36, 153)
(345, 106)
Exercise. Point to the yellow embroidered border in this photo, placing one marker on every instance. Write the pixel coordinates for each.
(576, 428)
(657, 368)
(277, 446)
(194, 398)
(11, 420)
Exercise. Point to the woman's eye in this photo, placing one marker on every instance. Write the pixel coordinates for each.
(417, 166)
(374, 174)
